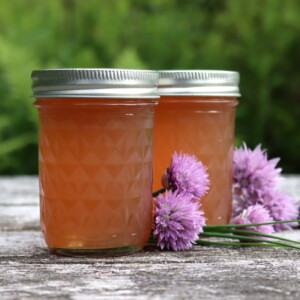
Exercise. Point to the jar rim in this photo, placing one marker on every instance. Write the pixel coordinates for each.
(94, 83)
(198, 83)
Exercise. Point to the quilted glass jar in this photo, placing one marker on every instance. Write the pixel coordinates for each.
(196, 115)
(95, 159)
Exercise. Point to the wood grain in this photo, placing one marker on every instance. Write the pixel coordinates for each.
(28, 271)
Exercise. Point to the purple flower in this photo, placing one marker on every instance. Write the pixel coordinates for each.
(242, 202)
(253, 173)
(281, 208)
(177, 221)
(254, 176)
(253, 215)
(186, 174)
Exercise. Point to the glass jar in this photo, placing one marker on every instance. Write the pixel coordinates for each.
(95, 159)
(196, 115)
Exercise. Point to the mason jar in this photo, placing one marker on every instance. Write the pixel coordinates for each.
(196, 115)
(95, 159)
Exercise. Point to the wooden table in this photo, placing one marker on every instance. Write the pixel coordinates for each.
(28, 271)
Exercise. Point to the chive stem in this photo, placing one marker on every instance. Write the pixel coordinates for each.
(208, 243)
(156, 193)
(245, 238)
(251, 233)
(245, 225)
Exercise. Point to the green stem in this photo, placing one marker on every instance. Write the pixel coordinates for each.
(239, 237)
(246, 225)
(156, 193)
(208, 243)
(152, 239)
(248, 232)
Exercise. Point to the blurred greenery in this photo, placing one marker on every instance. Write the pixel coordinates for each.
(258, 38)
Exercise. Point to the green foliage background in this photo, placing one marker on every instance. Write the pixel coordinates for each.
(258, 38)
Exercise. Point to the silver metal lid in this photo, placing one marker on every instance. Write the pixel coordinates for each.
(94, 83)
(198, 83)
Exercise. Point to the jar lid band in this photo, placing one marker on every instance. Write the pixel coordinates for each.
(198, 83)
(94, 83)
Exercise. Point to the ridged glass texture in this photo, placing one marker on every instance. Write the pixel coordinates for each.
(95, 165)
(203, 126)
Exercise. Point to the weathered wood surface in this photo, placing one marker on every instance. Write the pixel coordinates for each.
(27, 271)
